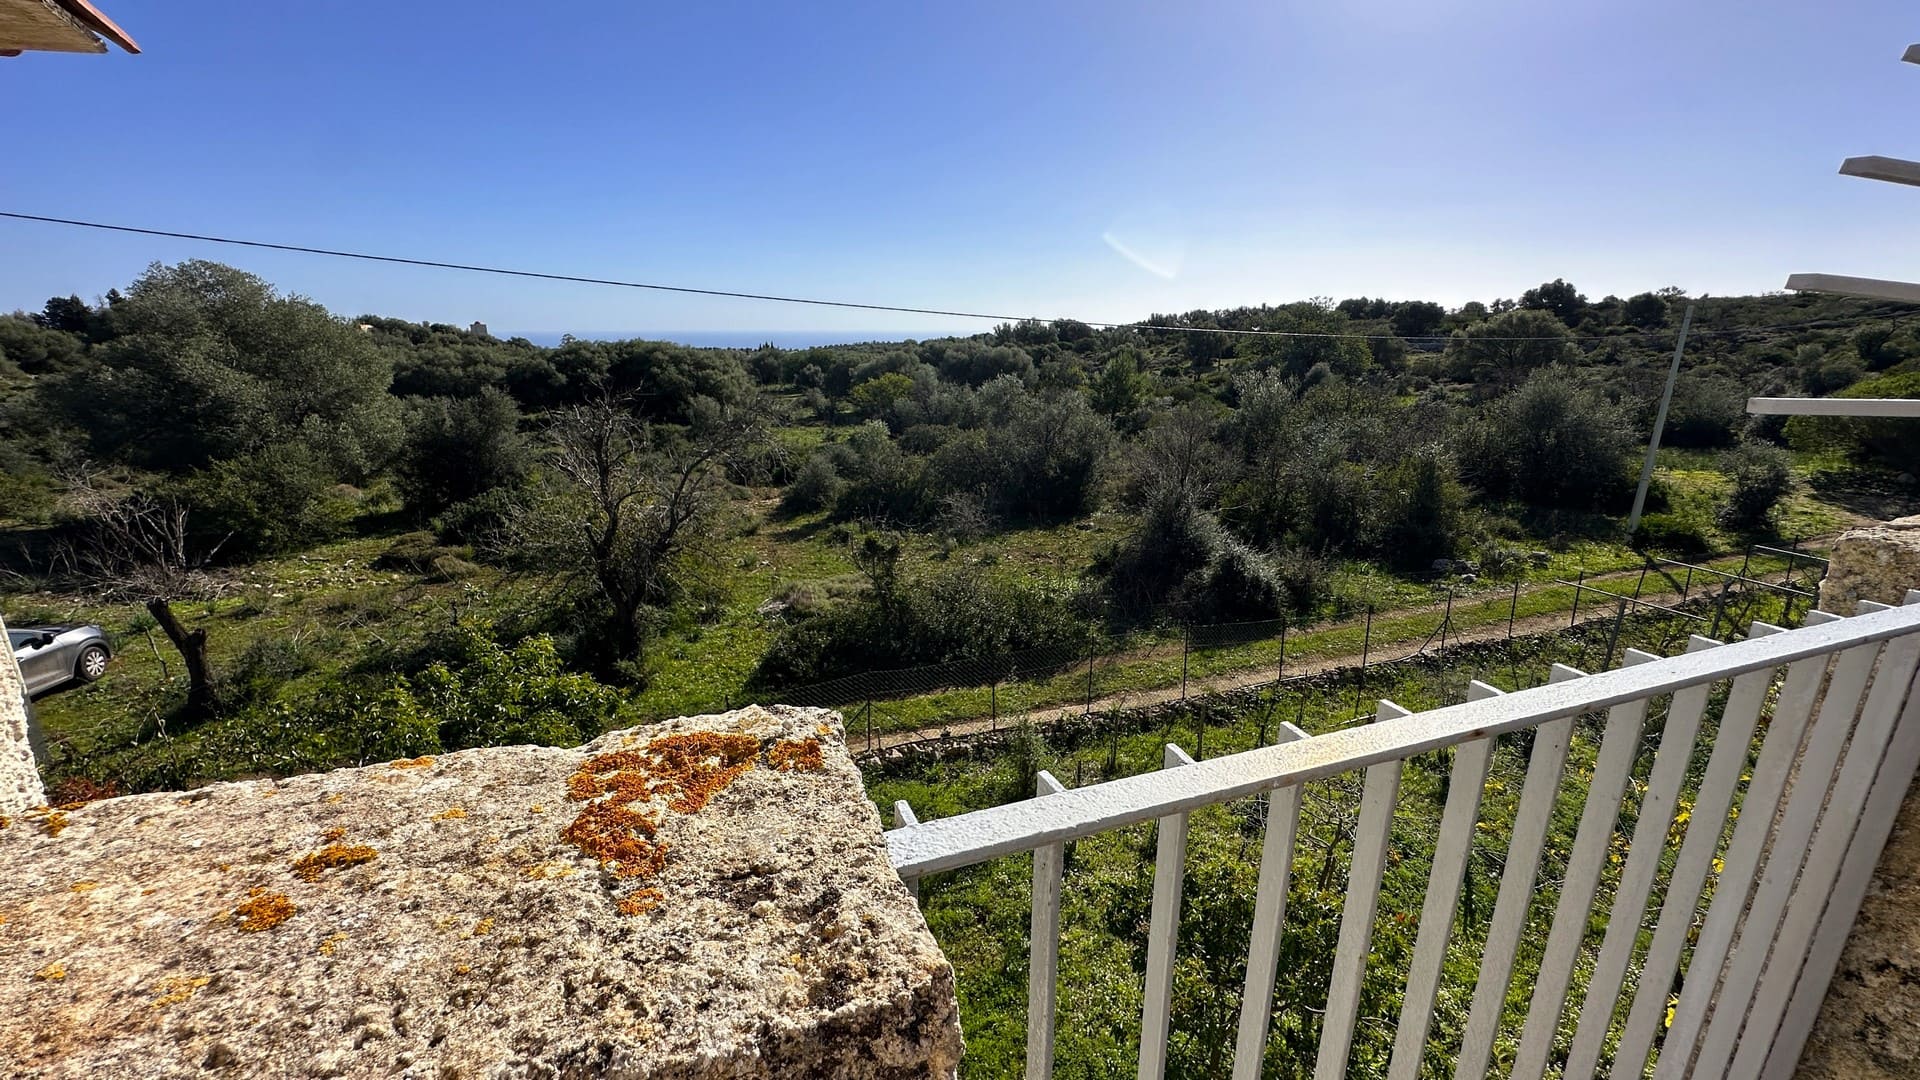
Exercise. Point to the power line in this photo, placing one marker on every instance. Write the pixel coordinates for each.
(739, 295)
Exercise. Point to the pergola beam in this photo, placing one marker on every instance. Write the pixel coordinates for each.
(1875, 167)
(1904, 292)
(1781, 406)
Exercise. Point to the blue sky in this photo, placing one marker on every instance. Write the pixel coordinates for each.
(1099, 160)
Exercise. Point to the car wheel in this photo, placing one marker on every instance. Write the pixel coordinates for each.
(92, 663)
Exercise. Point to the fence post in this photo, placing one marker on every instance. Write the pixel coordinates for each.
(1366, 645)
(1280, 675)
(1580, 583)
(1089, 676)
(1687, 586)
(1643, 580)
(1446, 621)
(869, 726)
(1512, 610)
(1719, 605)
(1613, 639)
(1186, 647)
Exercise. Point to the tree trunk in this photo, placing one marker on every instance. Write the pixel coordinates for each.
(202, 701)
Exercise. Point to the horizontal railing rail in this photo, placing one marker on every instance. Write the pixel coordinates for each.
(1839, 743)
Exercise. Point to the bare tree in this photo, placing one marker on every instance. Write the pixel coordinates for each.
(135, 546)
(633, 507)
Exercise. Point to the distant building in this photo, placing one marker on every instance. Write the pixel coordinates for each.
(478, 328)
(57, 26)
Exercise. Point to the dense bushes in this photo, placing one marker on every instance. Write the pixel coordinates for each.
(1556, 441)
(918, 618)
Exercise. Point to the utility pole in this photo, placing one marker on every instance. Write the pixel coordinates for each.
(1659, 423)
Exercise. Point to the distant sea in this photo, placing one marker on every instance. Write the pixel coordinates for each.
(727, 339)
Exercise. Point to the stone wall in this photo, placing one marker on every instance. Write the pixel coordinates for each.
(1869, 1027)
(19, 777)
(708, 897)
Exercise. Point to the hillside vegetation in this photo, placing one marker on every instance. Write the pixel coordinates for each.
(320, 540)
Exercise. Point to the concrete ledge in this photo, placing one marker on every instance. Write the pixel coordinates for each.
(708, 897)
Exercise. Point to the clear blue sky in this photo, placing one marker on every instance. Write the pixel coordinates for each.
(973, 155)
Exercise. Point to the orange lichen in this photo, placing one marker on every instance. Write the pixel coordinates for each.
(83, 886)
(683, 771)
(5, 821)
(450, 813)
(641, 902)
(263, 910)
(425, 761)
(336, 797)
(54, 822)
(537, 808)
(310, 866)
(483, 927)
(177, 988)
(327, 946)
(802, 755)
(462, 969)
(333, 834)
(52, 972)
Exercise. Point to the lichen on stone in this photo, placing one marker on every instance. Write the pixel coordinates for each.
(424, 761)
(178, 988)
(451, 813)
(798, 755)
(310, 866)
(263, 910)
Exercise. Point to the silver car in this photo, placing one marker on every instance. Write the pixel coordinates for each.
(51, 656)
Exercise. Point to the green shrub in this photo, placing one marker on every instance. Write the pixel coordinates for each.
(1686, 535)
(1761, 476)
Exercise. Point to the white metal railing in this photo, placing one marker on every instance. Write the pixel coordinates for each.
(1839, 749)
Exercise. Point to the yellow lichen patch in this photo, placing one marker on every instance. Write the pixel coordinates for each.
(802, 755)
(54, 822)
(823, 729)
(327, 946)
(310, 866)
(336, 797)
(332, 834)
(641, 902)
(263, 910)
(425, 761)
(537, 808)
(177, 988)
(83, 886)
(5, 821)
(462, 969)
(543, 871)
(483, 927)
(52, 972)
(450, 813)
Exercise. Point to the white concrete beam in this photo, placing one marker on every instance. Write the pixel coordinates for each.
(1874, 167)
(1781, 406)
(1904, 292)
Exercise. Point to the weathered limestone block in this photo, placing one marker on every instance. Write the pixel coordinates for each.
(708, 897)
(19, 777)
(1875, 562)
(1869, 1026)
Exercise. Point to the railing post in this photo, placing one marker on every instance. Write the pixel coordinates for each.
(1163, 933)
(1043, 964)
(903, 816)
(1269, 915)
